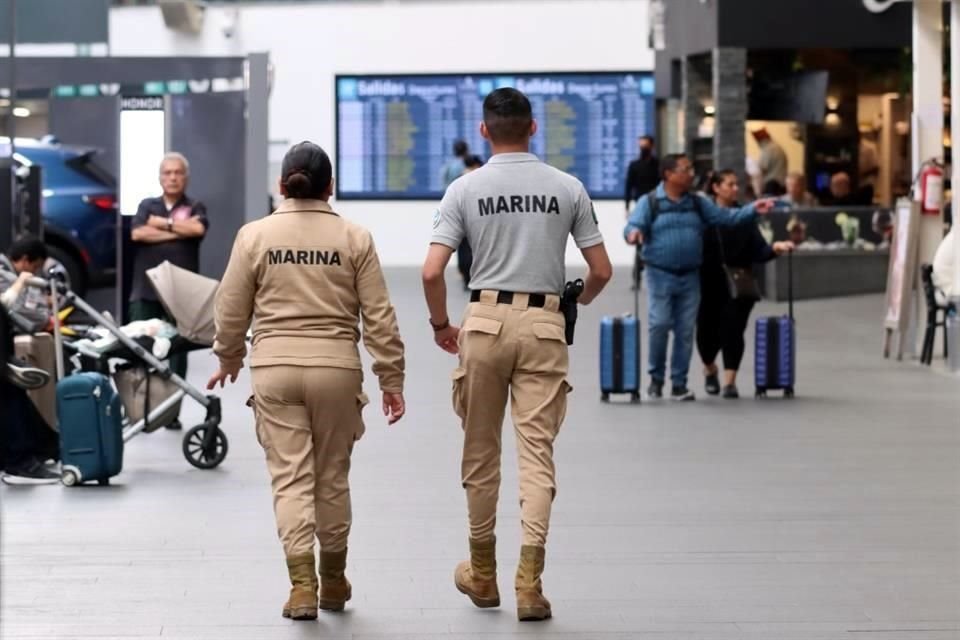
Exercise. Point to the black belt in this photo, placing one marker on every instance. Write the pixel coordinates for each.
(506, 297)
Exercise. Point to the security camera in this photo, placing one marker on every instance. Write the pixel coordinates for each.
(230, 23)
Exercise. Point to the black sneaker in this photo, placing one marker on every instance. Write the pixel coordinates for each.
(31, 472)
(682, 394)
(655, 390)
(730, 392)
(175, 426)
(712, 384)
(26, 377)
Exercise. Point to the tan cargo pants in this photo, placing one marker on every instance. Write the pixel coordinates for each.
(520, 350)
(307, 421)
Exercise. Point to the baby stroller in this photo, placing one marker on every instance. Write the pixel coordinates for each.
(188, 298)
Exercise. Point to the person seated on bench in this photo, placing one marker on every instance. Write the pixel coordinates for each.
(28, 448)
(27, 256)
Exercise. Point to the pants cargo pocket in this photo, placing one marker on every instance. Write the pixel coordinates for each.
(565, 389)
(549, 331)
(362, 401)
(478, 334)
(458, 403)
(260, 432)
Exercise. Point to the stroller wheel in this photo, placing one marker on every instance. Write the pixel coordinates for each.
(201, 455)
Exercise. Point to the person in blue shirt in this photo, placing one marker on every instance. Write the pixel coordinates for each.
(669, 223)
(455, 166)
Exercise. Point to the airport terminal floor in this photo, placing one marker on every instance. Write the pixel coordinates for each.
(835, 515)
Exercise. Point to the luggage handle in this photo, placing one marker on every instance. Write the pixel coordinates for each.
(637, 279)
(790, 282)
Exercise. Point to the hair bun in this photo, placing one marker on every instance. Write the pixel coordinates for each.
(307, 172)
(298, 185)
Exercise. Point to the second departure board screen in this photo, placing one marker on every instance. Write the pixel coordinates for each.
(396, 133)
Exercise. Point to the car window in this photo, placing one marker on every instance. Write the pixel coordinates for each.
(86, 165)
(62, 168)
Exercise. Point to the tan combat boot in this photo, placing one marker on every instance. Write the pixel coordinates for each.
(531, 605)
(477, 578)
(302, 604)
(335, 589)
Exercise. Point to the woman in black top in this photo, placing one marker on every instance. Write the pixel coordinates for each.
(722, 320)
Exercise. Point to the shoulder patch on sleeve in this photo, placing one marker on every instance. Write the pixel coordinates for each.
(436, 218)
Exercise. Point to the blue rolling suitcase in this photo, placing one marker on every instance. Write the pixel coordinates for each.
(775, 364)
(91, 429)
(620, 352)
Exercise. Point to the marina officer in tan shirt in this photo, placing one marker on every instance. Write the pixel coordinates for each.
(307, 277)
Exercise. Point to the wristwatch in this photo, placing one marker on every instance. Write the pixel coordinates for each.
(440, 327)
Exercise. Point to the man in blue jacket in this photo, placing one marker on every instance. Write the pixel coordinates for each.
(670, 223)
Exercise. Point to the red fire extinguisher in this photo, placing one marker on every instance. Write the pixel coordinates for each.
(930, 193)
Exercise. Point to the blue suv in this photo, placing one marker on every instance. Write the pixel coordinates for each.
(79, 209)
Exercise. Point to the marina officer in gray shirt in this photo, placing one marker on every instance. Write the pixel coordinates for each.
(517, 213)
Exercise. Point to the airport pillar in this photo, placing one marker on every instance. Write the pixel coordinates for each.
(928, 106)
(696, 92)
(730, 105)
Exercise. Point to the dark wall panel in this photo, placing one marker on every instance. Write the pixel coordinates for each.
(810, 24)
(690, 26)
(89, 122)
(47, 73)
(210, 131)
(46, 21)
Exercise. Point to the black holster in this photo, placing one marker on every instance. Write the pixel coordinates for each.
(568, 306)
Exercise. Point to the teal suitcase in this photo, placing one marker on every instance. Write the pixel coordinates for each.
(91, 429)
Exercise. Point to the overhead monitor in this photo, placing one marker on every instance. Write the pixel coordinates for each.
(394, 133)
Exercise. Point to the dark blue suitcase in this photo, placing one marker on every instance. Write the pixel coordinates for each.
(91, 429)
(775, 353)
(620, 352)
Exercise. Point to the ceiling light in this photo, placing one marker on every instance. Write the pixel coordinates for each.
(21, 112)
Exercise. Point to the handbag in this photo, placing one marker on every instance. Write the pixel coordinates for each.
(741, 284)
(141, 391)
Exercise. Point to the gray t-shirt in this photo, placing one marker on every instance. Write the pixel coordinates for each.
(517, 213)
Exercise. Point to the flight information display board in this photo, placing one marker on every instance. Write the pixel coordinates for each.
(395, 133)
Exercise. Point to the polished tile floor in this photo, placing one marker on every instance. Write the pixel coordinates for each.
(834, 515)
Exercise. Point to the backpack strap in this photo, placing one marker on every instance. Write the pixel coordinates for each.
(655, 208)
(697, 205)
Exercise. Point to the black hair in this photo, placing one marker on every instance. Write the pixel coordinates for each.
(648, 137)
(473, 162)
(460, 148)
(29, 247)
(306, 171)
(773, 188)
(508, 115)
(669, 162)
(703, 181)
(717, 178)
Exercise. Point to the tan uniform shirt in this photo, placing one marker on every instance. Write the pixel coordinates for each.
(307, 276)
